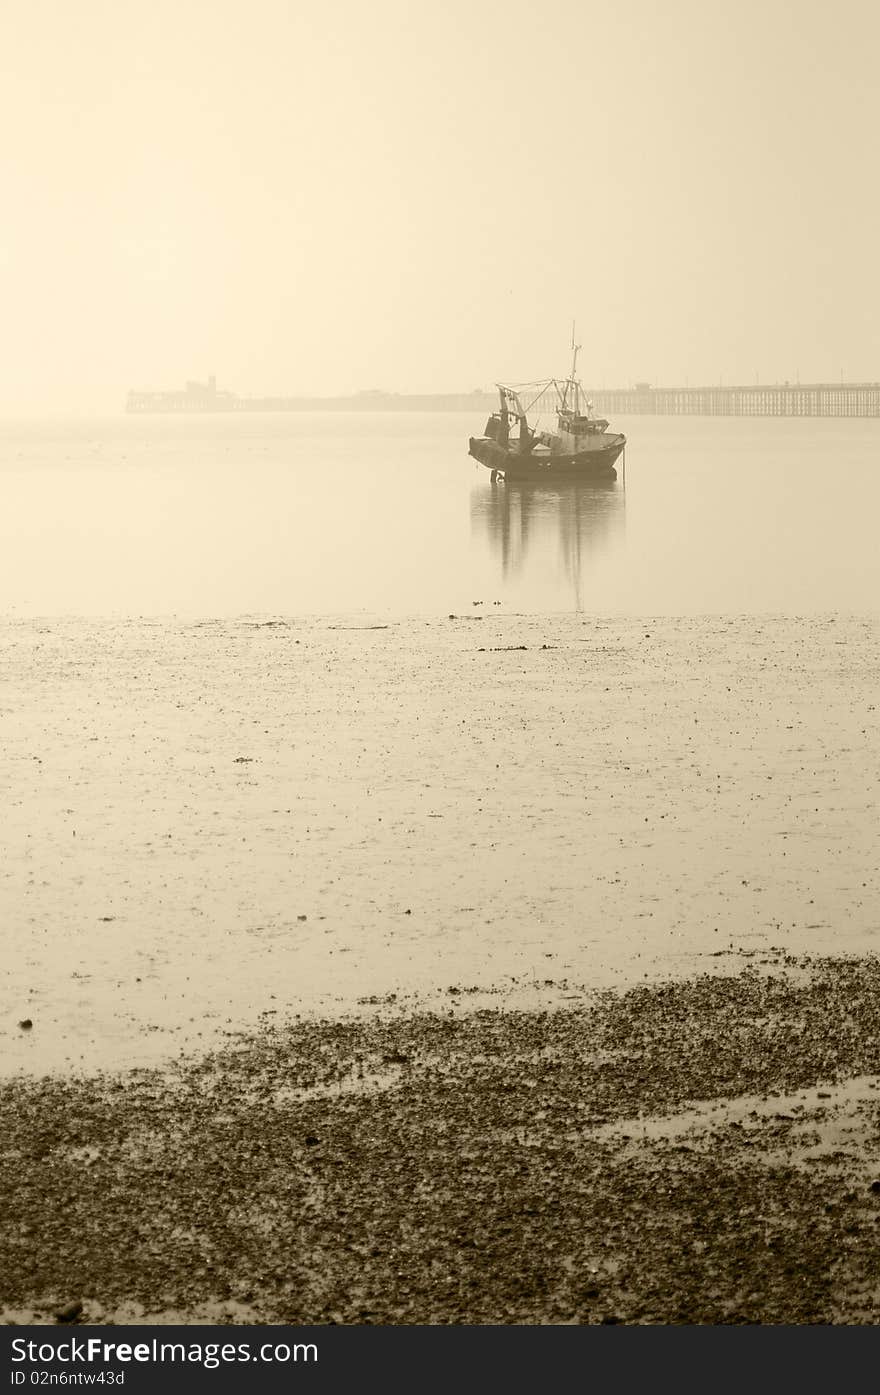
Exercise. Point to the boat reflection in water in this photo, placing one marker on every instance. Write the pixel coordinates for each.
(569, 522)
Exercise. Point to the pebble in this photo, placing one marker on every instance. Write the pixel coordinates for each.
(69, 1313)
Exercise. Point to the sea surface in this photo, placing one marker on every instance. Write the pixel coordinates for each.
(312, 514)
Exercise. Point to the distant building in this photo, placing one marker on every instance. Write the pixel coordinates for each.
(196, 397)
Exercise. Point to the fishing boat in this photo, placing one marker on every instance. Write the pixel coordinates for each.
(581, 448)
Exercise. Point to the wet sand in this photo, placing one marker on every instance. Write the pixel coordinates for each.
(702, 1151)
(203, 821)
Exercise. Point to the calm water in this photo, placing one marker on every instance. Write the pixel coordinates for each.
(309, 514)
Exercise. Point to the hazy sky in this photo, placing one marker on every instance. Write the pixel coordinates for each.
(371, 193)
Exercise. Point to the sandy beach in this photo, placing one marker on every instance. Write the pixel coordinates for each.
(206, 821)
(487, 969)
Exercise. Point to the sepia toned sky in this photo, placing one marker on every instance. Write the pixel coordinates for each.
(330, 197)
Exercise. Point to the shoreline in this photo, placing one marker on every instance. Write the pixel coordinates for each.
(701, 1151)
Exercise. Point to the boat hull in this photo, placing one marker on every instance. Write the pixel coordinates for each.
(595, 463)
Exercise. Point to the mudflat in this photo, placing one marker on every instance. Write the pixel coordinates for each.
(700, 1151)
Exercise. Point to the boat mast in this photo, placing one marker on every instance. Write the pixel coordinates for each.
(574, 382)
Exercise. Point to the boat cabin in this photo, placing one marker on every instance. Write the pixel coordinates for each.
(574, 427)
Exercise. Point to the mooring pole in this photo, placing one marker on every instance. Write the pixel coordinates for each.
(624, 467)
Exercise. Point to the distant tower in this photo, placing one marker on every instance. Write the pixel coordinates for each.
(212, 383)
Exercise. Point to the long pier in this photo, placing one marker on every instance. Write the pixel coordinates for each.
(778, 400)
